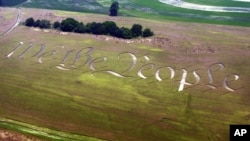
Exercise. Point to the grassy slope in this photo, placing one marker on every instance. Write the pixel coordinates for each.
(220, 3)
(147, 8)
(150, 8)
(127, 109)
(163, 11)
(80, 6)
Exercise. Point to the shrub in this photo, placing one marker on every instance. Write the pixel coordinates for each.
(36, 23)
(136, 30)
(126, 33)
(56, 25)
(30, 22)
(147, 33)
(80, 28)
(116, 32)
(108, 25)
(69, 25)
(44, 24)
(98, 29)
(88, 28)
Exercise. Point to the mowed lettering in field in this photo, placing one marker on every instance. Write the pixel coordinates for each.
(91, 63)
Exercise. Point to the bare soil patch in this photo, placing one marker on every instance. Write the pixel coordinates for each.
(13, 136)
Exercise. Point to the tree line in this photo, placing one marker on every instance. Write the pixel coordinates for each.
(96, 28)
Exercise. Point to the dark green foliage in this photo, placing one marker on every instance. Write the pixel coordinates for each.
(37, 23)
(44, 24)
(88, 28)
(108, 25)
(126, 33)
(147, 33)
(30, 22)
(80, 28)
(114, 9)
(56, 25)
(91, 26)
(105, 28)
(69, 25)
(116, 32)
(136, 30)
(98, 28)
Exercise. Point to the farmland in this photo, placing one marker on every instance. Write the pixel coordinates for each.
(67, 86)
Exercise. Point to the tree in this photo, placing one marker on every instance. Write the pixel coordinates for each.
(108, 25)
(56, 25)
(88, 27)
(29, 22)
(44, 24)
(80, 28)
(147, 33)
(69, 25)
(116, 32)
(126, 33)
(36, 23)
(136, 30)
(97, 28)
(114, 9)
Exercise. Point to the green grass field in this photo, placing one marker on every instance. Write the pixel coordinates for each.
(151, 8)
(230, 3)
(107, 102)
(86, 104)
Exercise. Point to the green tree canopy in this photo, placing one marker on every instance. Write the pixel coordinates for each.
(37, 23)
(105, 28)
(147, 33)
(116, 32)
(126, 33)
(108, 25)
(114, 9)
(56, 25)
(80, 28)
(30, 22)
(97, 28)
(136, 30)
(88, 27)
(69, 25)
(44, 24)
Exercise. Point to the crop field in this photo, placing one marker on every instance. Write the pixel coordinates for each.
(188, 82)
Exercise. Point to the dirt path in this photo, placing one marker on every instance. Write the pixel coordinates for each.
(181, 4)
(16, 24)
